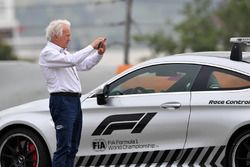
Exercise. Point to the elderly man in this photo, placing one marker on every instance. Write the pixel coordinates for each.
(59, 68)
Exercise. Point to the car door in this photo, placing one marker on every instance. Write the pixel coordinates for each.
(220, 101)
(146, 115)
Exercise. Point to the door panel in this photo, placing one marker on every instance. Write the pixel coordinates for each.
(216, 115)
(135, 123)
(219, 105)
(147, 111)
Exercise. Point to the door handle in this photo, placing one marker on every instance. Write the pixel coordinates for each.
(171, 105)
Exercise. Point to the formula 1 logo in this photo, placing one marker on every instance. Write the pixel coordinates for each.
(137, 122)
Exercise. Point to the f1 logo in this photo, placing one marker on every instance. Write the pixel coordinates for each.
(137, 122)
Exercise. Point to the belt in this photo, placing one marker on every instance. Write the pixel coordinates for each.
(72, 94)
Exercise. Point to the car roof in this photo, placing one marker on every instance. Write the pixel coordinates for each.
(218, 59)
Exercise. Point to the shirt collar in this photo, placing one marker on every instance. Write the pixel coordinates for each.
(52, 45)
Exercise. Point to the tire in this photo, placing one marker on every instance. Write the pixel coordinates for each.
(238, 154)
(23, 148)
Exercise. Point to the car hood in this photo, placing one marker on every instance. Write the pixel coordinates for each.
(35, 106)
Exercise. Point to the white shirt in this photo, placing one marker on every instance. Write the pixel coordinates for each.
(59, 67)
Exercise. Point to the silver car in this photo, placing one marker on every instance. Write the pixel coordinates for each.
(191, 109)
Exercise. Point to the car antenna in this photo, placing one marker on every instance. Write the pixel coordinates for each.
(236, 52)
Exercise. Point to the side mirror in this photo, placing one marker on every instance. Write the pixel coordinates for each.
(101, 100)
(102, 95)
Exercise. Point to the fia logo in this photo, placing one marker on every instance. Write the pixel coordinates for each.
(99, 145)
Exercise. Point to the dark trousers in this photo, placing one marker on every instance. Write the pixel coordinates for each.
(67, 116)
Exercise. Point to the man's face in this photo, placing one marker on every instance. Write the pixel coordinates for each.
(64, 40)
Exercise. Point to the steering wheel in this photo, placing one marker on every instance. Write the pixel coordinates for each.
(139, 90)
(117, 92)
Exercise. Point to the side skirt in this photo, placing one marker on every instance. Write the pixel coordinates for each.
(192, 157)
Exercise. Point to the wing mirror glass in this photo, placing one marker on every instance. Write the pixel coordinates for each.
(102, 95)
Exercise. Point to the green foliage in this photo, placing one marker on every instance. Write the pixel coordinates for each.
(204, 28)
(6, 52)
(197, 31)
(234, 17)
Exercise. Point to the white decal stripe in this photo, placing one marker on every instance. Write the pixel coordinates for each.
(190, 156)
(221, 157)
(209, 159)
(85, 160)
(201, 156)
(95, 160)
(158, 157)
(137, 157)
(205, 157)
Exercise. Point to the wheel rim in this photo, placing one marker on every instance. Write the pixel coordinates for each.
(241, 152)
(19, 150)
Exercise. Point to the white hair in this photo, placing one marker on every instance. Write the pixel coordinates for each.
(55, 28)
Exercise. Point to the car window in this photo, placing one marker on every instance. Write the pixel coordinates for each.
(156, 79)
(227, 80)
(214, 78)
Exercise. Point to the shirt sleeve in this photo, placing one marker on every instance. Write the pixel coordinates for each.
(53, 58)
(89, 62)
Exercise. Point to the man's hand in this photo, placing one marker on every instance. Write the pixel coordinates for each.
(97, 41)
(102, 47)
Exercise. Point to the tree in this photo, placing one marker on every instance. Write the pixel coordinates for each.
(197, 32)
(234, 18)
(6, 52)
(205, 27)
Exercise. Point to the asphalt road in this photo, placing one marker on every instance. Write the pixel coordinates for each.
(22, 82)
